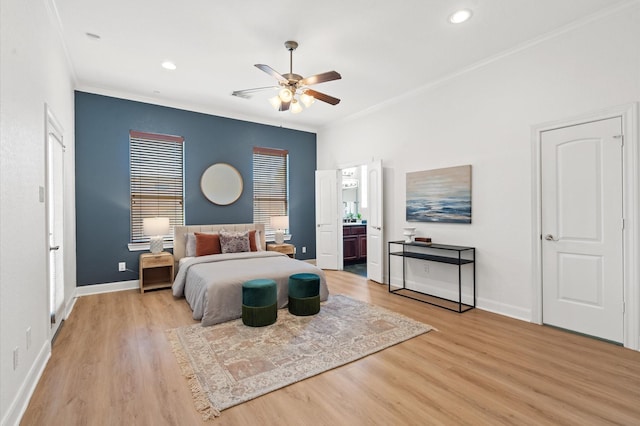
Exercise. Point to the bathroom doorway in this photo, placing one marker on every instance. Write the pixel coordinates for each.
(354, 219)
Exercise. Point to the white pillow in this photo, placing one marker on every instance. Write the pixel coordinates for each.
(190, 245)
(258, 241)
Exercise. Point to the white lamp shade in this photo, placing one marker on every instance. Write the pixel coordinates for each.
(280, 222)
(307, 100)
(295, 107)
(154, 226)
(275, 102)
(285, 95)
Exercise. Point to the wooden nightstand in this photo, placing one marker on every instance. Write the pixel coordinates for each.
(288, 249)
(156, 271)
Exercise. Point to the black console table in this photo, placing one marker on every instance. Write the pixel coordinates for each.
(442, 253)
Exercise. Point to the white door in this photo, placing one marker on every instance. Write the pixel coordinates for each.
(375, 240)
(582, 258)
(327, 219)
(55, 230)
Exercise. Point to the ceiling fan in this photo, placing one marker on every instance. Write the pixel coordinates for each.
(293, 87)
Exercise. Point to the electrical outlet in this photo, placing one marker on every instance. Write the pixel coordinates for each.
(122, 266)
(28, 338)
(304, 249)
(426, 269)
(15, 358)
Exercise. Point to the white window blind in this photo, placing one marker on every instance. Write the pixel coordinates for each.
(157, 185)
(270, 185)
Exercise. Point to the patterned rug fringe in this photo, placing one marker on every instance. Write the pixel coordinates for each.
(200, 400)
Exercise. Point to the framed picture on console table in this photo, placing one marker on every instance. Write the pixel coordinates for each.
(439, 195)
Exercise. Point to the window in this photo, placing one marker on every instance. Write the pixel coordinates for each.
(157, 186)
(270, 186)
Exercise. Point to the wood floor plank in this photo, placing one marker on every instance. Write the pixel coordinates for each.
(112, 364)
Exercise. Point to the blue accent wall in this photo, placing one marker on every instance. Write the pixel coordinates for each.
(102, 176)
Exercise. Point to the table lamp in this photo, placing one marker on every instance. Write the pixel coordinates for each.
(156, 228)
(280, 223)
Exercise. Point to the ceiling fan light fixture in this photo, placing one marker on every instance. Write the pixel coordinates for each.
(275, 102)
(307, 100)
(460, 16)
(295, 107)
(293, 91)
(285, 95)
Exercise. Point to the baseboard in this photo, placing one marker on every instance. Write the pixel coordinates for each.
(71, 304)
(87, 290)
(488, 305)
(21, 401)
(507, 310)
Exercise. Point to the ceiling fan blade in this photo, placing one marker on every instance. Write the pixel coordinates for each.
(272, 72)
(322, 97)
(246, 93)
(320, 78)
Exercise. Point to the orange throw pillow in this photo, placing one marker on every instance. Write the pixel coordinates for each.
(207, 244)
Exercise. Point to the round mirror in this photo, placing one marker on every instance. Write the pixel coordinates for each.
(221, 183)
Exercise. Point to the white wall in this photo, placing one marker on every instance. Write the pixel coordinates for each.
(484, 117)
(33, 72)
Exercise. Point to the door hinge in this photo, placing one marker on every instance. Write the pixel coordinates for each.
(624, 307)
(622, 223)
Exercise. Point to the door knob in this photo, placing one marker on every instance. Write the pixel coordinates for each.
(550, 237)
(54, 248)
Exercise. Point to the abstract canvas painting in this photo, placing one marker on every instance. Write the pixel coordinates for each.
(440, 195)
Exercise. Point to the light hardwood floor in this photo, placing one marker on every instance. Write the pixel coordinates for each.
(111, 365)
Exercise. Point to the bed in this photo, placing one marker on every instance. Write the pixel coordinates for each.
(212, 284)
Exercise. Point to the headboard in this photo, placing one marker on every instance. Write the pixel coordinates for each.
(179, 234)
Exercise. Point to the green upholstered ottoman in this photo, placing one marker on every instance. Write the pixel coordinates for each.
(304, 294)
(259, 302)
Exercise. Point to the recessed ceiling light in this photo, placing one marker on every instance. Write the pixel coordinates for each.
(93, 36)
(460, 16)
(168, 65)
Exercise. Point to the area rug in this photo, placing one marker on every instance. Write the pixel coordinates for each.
(230, 363)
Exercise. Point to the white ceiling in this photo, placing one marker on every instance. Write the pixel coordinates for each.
(383, 49)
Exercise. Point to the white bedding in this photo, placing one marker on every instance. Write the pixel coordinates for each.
(212, 285)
